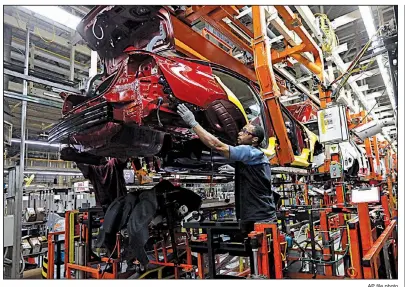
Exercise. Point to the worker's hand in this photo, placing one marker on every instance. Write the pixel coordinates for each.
(186, 115)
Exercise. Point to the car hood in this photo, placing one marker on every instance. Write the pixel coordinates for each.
(110, 30)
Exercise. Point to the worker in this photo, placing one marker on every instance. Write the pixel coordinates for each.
(254, 174)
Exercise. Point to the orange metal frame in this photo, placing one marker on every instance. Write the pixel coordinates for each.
(261, 231)
(324, 228)
(96, 273)
(195, 45)
(371, 249)
(51, 253)
(205, 32)
(269, 90)
(188, 267)
(356, 270)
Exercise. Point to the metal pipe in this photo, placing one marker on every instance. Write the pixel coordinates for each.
(255, 264)
(308, 64)
(81, 259)
(7, 52)
(76, 257)
(313, 248)
(72, 63)
(15, 272)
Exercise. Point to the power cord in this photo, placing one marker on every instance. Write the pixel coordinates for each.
(370, 110)
(331, 40)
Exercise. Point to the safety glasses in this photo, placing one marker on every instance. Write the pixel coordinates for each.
(245, 131)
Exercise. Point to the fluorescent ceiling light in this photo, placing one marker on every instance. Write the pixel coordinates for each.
(367, 16)
(53, 173)
(56, 14)
(38, 143)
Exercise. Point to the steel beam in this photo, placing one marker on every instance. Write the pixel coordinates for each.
(382, 108)
(52, 56)
(41, 81)
(364, 75)
(374, 95)
(12, 21)
(7, 51)
(384, 114)
(72, 63)
(304, 79)
(35, 92)
(15, 271)
(32, 99)
(195, 45)
(311, 22)
(44, 65)
(342, 67)
(297, 84)
(363, 88)
(346, 19)
(44, 19)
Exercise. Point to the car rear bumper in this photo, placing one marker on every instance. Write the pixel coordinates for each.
(81, 122)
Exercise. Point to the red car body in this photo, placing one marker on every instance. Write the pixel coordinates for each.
(133, 111)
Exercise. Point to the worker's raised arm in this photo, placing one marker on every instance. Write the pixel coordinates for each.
(208, 139)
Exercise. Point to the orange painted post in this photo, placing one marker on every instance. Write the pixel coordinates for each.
(366, 236)
(263, 258)
(67, 237)
(306, 194)
(369, 152)
(387, 214)
(324, 229)
(200, 265)
(371, 256)
(51, 257)
(376, 154)
(356, 270)
(389, 172)
(269, 90)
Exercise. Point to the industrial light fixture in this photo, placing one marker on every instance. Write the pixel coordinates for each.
(52, 95)
(367, 16)
(38, 143)
(56, 14)
(53, 173)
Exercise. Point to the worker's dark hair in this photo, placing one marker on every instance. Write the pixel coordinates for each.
(258, 131)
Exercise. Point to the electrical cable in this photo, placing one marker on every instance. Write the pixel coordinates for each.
(46, 41)
(36, 29)
(160, 101)
(325, 263)
(109, 258)
(368, 112)
(357, 58)
(21, 52)
(330, 41)
(23, 264)
(94, 33)
(19, 19)
(5, 253)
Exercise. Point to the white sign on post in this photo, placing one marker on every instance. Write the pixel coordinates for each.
(366, 195)
(332, 125)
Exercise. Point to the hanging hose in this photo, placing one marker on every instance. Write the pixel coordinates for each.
(159, 104)
(94, 33)
(330, 39)
(357, 58)
(23, 264)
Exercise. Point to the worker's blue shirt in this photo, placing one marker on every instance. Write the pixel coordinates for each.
(247, 154)
(254, 182)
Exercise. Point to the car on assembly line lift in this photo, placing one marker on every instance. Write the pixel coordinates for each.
(133, 111)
